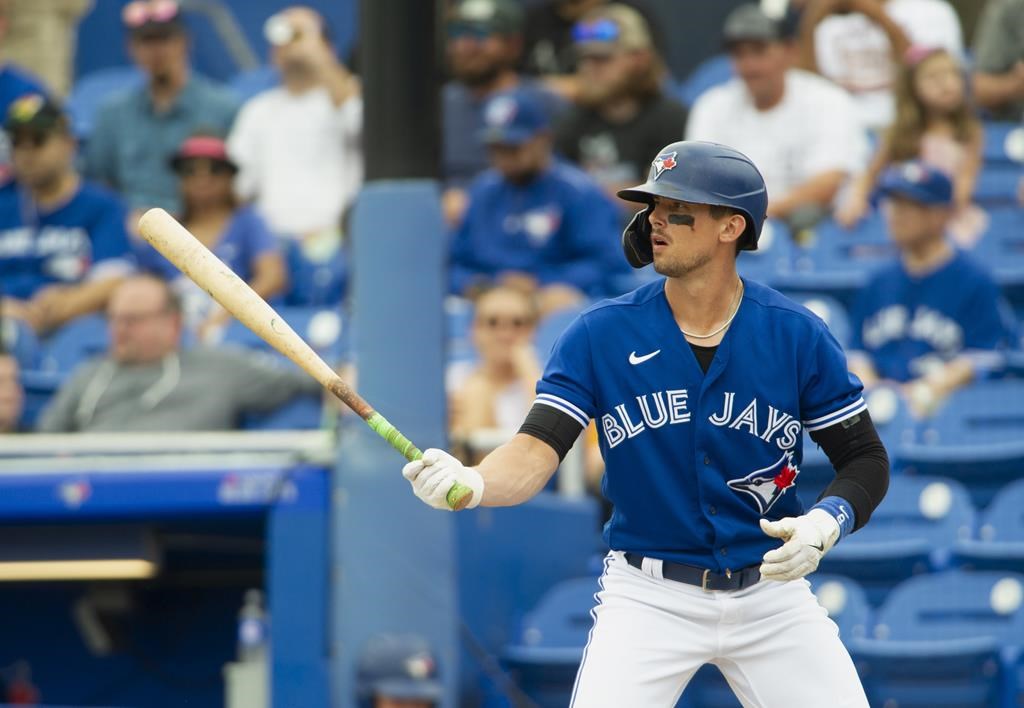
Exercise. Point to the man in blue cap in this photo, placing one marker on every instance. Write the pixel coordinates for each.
(534, 222)
(933, 320)
(398, 671)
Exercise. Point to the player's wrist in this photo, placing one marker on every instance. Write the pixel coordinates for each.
(840, 510)
(472, 478)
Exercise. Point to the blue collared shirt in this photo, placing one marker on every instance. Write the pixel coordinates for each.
(131, 143)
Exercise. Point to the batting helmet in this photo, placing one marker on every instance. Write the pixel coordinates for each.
(699, 173)
(397, 666)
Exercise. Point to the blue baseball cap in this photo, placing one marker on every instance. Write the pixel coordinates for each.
(512, 118)
(917, 182)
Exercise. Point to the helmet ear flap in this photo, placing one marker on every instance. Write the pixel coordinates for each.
(636, 239)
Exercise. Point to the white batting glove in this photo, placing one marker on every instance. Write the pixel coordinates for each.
(807, 538)
(433, 475)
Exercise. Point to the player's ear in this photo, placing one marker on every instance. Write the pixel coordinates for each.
(732, 228)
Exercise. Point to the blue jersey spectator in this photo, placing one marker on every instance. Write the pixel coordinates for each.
(534, 221)
(238, 236)
(138, 130)
(934, 320)
(63, 245)
(484, 44)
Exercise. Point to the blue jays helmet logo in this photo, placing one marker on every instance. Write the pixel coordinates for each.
(664, 161)
(767, 485)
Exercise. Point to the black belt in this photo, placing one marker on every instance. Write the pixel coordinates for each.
(704, 579)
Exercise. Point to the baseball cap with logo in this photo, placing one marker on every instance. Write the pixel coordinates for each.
(609, 29)
(917, 182)
(486, 17)
(512, 118)
(35, 112)
(749, 23)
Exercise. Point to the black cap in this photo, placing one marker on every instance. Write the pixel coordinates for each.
(35, 111)
(749, 23)
(152, 19)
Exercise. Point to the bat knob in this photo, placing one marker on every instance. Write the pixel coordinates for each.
(458, 497)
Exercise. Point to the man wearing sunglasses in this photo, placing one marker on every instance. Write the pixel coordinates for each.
(137, 131)
(63, 246)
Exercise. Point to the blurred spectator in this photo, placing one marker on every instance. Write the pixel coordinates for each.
(534, 222)
(497, 393)
(43, 35)
(397, 671)
(14, 83)
(800, 129)
(934, 123)
(934, 320)
(999, 59)
(136, 131)
(623, 116)
(12, 396)
(63, 245)
(484, 44)
(236, 235)
(549, 50)
(147, 382)
(298, 146)
(856, 43)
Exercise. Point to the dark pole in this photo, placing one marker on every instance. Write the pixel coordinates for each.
(399, 61)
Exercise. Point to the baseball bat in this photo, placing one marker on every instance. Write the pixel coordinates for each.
(210, 273)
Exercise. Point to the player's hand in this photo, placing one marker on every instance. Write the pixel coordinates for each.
(807, 538)
(433, 475)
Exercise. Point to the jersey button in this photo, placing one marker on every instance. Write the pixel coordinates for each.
(712, 510)
(707, 460)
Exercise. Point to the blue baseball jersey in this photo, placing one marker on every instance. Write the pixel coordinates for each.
(82, 239)
(906, 323)
(560, 228)
(694, 460)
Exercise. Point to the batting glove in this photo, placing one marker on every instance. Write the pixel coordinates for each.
(433, 475)
(807, 538)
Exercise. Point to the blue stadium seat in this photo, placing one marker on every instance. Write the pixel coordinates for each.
(1004, 143)
(974, 438)
(945, 640)
(325, 329)
(547, 654)
(92, 90)
(19, 340)
(711, 72)
(321, 283)
(75, 342)
(1001, 249)
(912, 531)
(839, 261)
(39, 387)
(301, 413)
(846, 603)
(771, 263)
(997, 185)
(830, 310)
(459, 324)
(1000, 541)
(249, 83)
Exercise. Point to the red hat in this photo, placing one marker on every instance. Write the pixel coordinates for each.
(205, 147)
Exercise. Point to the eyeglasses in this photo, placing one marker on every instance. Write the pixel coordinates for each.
(603, 30)
(20, 141)
(495, 322)
(138, 13)
(191, 168)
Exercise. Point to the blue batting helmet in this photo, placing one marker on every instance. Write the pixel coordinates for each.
(700, 173)
(398, 666)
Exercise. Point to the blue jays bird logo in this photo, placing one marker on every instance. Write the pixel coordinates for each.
(767, 485)
(664, 161)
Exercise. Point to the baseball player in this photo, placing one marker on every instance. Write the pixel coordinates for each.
(701, 384)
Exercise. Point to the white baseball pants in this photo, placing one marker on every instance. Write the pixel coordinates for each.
(773, 642)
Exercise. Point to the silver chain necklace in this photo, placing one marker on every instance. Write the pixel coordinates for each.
(739, 298)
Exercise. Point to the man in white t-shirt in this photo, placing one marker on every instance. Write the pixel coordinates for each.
(800, 129)
(856, 43)
(298, 146)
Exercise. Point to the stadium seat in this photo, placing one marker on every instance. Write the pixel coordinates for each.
(997, 185)
(320, 283)
(39, 387)
(1000, 540)
(302, 413)
(92, 90)
(771, 263)
(845, 601)
(545, 658)
(912, 531)
(19, 340)
(974, 438)
(74, 343)
(324, 328)
(839, 261)
(1001, 249)
(711, 72)
(1004, 143)
(249, 83)
(947, 639)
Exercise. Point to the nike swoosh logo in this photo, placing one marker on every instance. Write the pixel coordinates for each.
(634, 359)
(819, 547)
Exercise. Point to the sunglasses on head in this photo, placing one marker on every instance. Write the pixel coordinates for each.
(603, 30)
(190, 168)
(36, 140)
(138, 13)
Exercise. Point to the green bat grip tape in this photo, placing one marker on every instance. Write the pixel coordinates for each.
(458, 496)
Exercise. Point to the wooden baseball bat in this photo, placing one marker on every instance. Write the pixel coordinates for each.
(210, 273)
